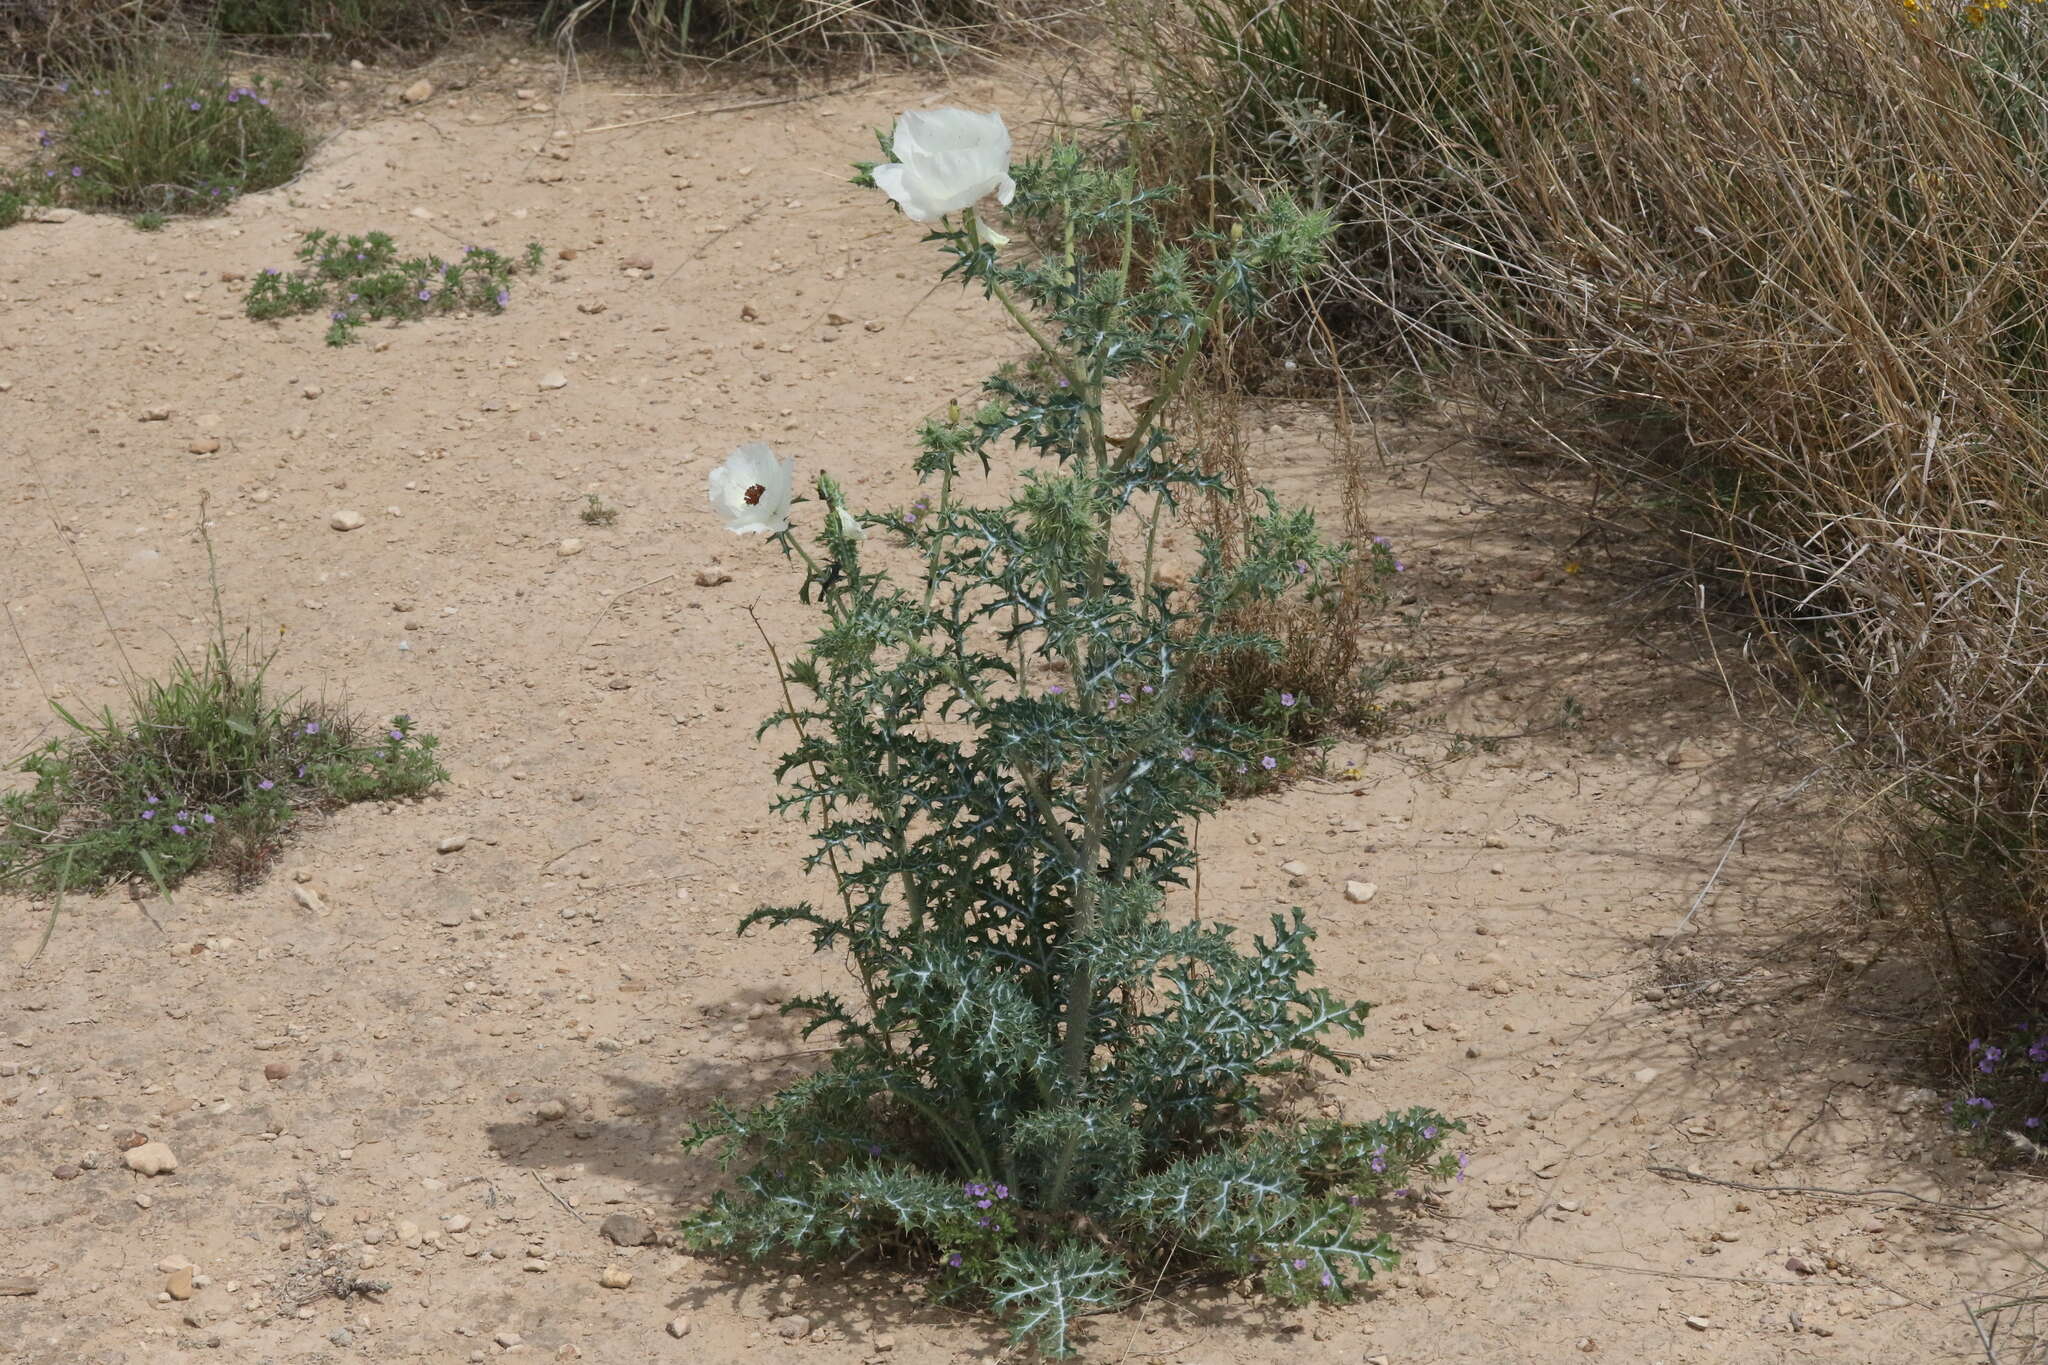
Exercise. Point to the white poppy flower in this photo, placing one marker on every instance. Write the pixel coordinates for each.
(947, 160)
(751, 490)
(850, 524)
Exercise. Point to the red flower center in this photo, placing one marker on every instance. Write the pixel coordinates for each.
(754, 494)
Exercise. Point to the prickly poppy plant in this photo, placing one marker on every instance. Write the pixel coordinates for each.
(1046, 1094)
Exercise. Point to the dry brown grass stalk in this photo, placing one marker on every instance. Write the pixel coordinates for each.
(1800, 242)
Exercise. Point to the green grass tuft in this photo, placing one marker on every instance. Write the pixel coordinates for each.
(208, 767)
(162, 135)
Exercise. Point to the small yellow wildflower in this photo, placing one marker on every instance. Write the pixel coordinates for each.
(1975, 15)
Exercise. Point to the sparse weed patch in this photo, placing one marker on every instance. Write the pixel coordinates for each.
(363, 279)
(596, 511)
(209, 767)
(163, 136)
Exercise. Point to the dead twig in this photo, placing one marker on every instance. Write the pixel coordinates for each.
(730, 108)
(571, 1208)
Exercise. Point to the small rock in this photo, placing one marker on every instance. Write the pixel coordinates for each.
(554, 379)
(341, 1336)
(1799, 1265)
(311, 391)
(680, 1328)
(310, 899)
(637, 263)
(838, 320)
(419, 92)
(615, 1277)
(712, 575)
(569, 548)
(1645, 1075)
(508, 1339)
(454, 843)
(549, 1110)
(874, 326)
(794, 1327)
(276, 1071)
(452, 917)
(623, 1229)
(1295, 868)
(205, 445)
(1697, 1323)
(130, 1137)
(534, 1265)
(456, 1222)
(21, 1289)
(346, 520)
(47, 214)
(748, 314)
(66, 1171)
(151, 1158)
(1358, 893)
(178, 1284)
(157, 414)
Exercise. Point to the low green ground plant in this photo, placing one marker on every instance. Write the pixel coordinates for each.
(363, 279)
(210, 766)
(1046, 1094)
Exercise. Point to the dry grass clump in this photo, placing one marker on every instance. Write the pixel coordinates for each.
(791, 32)
(1801, 243)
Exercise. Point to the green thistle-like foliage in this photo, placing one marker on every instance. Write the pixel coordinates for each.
(1043, 1087)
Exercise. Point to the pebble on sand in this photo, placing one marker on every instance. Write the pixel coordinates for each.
(151, 1158)
(615, 1277)
(419, 92)
(346, 520)
(1358, 893)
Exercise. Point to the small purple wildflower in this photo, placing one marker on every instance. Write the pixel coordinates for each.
(1054, 690)
(1269, 763)
(312, 727)
(1379, 1165)
(1301, 566)
(1300, 1263)
(207, 817)
(77, 171)
(1979, 1102)
(265, 785)
(2033, 1123)
(152, 800)
(953, 1260)
(179, 829)
(1399, 567)
(398, 734)
(1429, 1130)
(193, 106)
(1002, 1191)
(1187, 755)
(1327, 1280)
(504, 297)
(1124, 697)
(149, 815)
(426, 295)
(1287, 699)
(1146, 689)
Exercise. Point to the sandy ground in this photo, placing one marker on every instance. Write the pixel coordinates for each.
(450, 1074)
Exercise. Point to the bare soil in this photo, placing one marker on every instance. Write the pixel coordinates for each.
(383, 1043)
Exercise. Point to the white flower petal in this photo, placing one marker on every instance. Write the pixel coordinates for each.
(850, 524)
(946, 160)
(752, 489)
